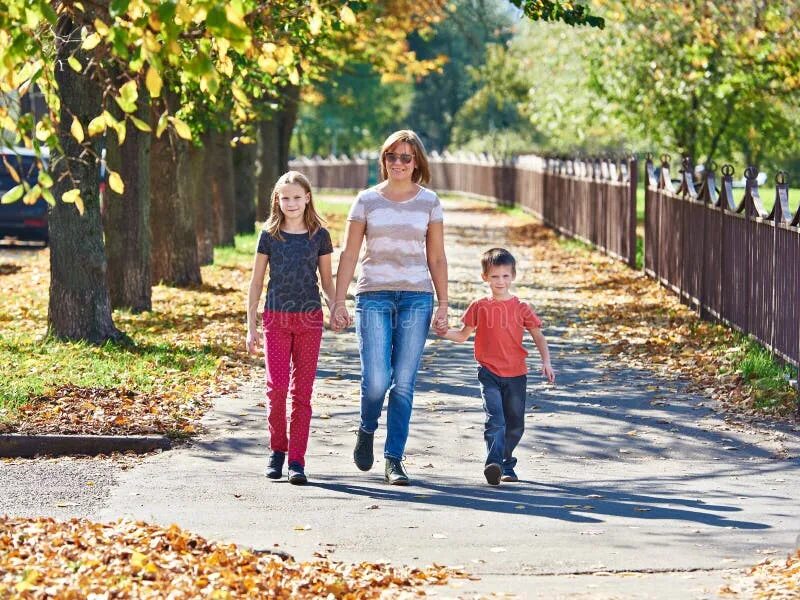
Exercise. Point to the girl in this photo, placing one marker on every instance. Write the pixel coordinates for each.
(404, 263)
(295, 246)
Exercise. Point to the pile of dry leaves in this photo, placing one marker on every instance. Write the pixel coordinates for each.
(108, 411)
(44, 558)
(772, 579)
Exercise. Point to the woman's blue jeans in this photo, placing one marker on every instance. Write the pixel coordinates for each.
(392, 328)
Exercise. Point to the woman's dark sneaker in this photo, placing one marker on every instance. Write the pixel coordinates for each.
(297, 475)
(362, 455)
(275, 465)
(509, 475)
(492, 472)
(395, 473)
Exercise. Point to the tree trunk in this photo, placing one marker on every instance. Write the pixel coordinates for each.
(79, 306)
(201, 201)
(219, 168)
(276, 135)
(245, 186)
(270, 169)
(174, 257)
(127, 220)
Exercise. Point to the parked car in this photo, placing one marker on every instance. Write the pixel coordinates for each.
(19, 220)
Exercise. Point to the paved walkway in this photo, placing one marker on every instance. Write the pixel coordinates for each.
(623, 494)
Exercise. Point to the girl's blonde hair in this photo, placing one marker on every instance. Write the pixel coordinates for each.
(422, 172)
(311, 218)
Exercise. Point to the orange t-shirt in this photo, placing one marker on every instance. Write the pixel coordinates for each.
(499, 328)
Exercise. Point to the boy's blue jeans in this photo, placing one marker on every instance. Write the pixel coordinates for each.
(392, 328)
(504, 403)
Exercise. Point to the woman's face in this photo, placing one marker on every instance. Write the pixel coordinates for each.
(394, 159)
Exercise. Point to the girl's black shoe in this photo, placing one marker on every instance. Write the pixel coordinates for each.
(275, 465)
(297, 475)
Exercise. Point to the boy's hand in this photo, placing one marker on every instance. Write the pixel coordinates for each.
(548, 372)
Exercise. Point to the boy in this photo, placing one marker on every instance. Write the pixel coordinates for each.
(499, 322)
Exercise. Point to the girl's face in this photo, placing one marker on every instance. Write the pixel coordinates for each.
(292, 199)
(395, 159)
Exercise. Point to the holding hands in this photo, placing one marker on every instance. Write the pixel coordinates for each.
(439, 321)
(340, 317)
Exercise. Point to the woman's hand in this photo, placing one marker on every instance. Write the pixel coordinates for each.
(340, 317)
(252, 341)
(439, 321)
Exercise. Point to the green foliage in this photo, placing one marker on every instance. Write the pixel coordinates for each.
(571, 13)
(709, 79)
(462, 37)
(351, 112)
(491, 120)
(542, 78)
(199, 63)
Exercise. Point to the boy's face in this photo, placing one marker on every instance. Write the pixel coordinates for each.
(499, 278)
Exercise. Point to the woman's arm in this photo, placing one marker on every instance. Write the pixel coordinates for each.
(253, 294)
(326, 279)
(354, 237)
(437, 265)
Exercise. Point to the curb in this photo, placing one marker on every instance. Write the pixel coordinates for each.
(27, 446)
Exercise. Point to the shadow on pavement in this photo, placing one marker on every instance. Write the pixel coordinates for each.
(567, 503)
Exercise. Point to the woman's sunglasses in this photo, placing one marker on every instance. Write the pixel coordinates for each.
(393, 157)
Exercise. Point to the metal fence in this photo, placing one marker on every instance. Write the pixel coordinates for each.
(735, 263)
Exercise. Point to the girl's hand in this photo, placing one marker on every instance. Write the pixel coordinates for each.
(252, 342)
(340, 317)
(439, 321)
(548, 372)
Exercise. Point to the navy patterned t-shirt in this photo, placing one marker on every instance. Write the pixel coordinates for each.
(293, 285)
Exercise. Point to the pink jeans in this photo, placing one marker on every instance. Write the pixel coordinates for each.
(291, 350)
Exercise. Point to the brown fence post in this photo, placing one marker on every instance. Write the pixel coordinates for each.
(633, 182)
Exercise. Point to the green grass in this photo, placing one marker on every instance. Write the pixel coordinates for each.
(33, 366)
(769, 378)
(333, 204)
(514, 211)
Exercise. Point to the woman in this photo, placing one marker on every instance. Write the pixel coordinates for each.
(402, 222)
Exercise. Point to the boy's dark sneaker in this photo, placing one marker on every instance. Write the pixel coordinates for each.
(509, 475)
(492, 472)
(362, 455)
(275, 465)
(395, 473)
(297, 475)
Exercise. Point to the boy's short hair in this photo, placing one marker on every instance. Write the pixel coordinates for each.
(497, 257)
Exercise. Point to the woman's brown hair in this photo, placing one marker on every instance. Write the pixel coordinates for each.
(422, 172)
(311, 218)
